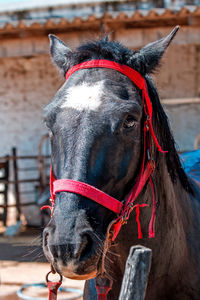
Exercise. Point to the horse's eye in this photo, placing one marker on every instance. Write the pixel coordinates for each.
(129, 122)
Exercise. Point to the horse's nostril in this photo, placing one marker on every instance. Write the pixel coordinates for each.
(85, 248)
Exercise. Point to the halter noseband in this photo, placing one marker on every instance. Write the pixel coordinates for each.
(122, 210)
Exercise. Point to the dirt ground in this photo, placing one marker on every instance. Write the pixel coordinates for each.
(22, 262)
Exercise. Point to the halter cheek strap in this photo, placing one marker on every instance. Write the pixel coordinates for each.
(122, 210)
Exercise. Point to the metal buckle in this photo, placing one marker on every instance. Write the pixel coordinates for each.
(148, 154)
(147, 126)
(125, 217)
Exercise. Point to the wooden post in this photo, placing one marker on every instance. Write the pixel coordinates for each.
(16, 185)
(136, 274)
(4, 165)
(6, 175)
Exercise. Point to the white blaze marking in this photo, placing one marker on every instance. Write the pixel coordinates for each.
(84, 96)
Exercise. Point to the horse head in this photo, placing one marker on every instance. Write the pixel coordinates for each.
(95, 123)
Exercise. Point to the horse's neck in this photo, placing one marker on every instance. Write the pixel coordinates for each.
(172, 201)
(172, 222)
(172, 215)
(175, 265)
(176, 214)
(176, 246)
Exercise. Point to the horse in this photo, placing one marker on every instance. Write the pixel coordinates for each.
(97, 122)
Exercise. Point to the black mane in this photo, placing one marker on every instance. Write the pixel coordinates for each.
(102, 49)
(166, 139)
(114, 51)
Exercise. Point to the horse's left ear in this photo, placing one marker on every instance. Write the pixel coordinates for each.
(147, 59)
(60, 53)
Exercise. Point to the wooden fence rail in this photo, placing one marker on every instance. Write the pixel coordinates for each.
(41, 164)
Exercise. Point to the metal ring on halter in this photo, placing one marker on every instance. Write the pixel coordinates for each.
(146, 125)
(148, 117)
(148, 154)
(124, 218)
(47, 279)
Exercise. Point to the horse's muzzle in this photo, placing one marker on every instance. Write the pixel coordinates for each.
(74, 258)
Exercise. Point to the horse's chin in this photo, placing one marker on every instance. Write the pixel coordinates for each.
(81, 277)
(71, 271)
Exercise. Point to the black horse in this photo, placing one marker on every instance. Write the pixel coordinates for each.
(96, 122)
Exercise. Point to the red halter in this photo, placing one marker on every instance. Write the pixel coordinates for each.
(123, 210)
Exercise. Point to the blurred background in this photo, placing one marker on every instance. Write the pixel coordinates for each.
(28, 81)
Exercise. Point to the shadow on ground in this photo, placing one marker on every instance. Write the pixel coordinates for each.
(25, 247)
(22, 262)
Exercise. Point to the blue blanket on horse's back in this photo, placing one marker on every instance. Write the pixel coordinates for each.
(191, 164)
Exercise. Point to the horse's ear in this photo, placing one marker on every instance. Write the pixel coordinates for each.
(60, 53)
(147, 59)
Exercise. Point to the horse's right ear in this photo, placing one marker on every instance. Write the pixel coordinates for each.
(147, 59)
(60, 53)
